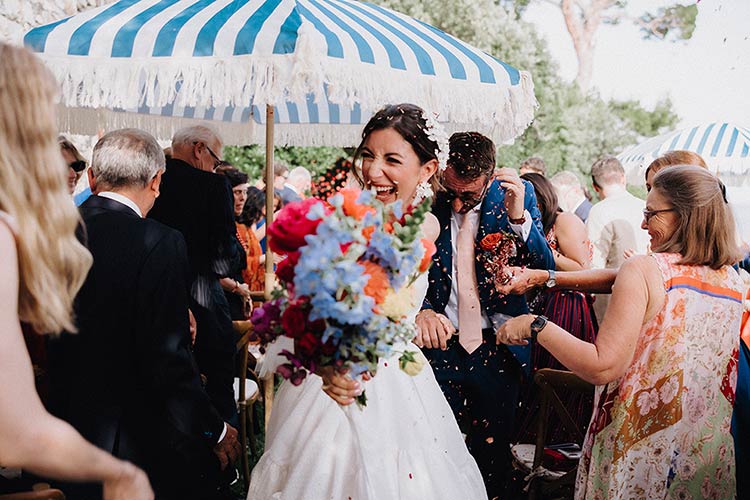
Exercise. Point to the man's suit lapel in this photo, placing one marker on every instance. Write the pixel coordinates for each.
(442, 268)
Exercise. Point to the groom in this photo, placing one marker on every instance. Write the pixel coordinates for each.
(462, 310)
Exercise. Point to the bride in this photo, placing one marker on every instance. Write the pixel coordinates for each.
(405, 444)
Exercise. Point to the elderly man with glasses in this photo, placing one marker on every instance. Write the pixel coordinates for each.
(463, 309)
(199, 203)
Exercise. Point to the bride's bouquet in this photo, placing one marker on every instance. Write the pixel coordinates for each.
(344, 287)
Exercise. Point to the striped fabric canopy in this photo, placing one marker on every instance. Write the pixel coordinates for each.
(326, 66)
(724, 146)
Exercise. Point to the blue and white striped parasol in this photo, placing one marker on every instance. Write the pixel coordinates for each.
(724, 146)
(325, 65)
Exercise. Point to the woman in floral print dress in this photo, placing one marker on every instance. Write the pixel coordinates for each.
(666, 381)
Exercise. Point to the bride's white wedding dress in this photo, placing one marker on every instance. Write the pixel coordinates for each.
(405, 444)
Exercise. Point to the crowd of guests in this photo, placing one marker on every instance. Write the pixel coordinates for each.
(164, 253)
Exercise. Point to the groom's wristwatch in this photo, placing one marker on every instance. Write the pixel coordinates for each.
(550, 283)
(537, 326)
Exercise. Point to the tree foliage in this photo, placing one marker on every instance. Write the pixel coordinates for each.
(676, 22)
(252, 159)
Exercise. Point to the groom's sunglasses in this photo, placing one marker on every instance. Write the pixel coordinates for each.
(468, 199)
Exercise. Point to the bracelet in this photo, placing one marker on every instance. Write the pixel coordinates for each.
(518, 222)
(236, 286)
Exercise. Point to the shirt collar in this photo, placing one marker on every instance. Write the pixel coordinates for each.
(122, 199)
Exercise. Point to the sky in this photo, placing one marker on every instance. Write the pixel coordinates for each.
(707, 77)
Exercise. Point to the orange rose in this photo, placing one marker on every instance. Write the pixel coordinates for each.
(351, 207)
(490, 241)
(378, 284)
(367, 232)
(429, 251)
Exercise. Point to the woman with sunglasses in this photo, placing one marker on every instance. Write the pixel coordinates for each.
(664, 359)
(74, 160)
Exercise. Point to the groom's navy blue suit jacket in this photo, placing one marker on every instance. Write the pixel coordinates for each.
(535, 253)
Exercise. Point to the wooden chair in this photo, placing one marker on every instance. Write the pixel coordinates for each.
(40, 491)
(246, 393)
(542, 481)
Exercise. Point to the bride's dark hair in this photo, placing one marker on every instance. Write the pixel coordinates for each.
(408, 121)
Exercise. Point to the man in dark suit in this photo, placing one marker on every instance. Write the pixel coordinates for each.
(199, 204)
(127, 380)
(479, 378)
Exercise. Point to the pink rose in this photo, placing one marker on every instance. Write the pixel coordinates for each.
(287, 232)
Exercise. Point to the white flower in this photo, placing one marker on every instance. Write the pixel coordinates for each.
(412, 362)
(435, 132)
(398, 304)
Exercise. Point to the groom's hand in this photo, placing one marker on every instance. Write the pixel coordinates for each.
(514, 191)
(433, 330)
(228, 449)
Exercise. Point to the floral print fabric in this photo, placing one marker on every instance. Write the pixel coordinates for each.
(663, 429)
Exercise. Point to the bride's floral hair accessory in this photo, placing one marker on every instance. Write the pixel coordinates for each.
(437, 134)
(419, 128)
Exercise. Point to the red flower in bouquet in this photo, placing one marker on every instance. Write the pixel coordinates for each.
(308, 344)
(288, 231)
(429, 251)
(285, 268)
(294, 320)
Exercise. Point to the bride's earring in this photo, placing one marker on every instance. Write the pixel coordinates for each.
(424, 190)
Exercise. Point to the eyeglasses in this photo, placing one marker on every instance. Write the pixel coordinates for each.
(648, 214)
(218, 162)
(468, 199)
(77, 166)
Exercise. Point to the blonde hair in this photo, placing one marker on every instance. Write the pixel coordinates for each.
(705, 232)
(52, 263)
(676, 157)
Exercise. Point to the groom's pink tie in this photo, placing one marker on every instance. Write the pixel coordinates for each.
(469, 311)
